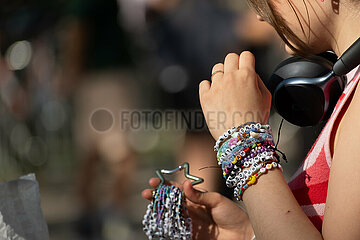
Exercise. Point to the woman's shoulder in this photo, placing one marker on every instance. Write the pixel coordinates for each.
(347, 108)
(343, 195)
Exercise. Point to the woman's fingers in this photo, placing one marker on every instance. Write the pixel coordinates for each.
(204, 86)
(247, 60)
(209, 199)
(147, 194)
(247, 69)
(217, 72)
(231, 62)
(154, 182)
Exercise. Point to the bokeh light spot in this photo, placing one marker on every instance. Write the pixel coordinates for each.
(174, 79)
(18, 55)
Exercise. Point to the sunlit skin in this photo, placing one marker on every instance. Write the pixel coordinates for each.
(240, 89)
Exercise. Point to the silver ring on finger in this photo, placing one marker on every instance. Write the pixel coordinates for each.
(218, 71)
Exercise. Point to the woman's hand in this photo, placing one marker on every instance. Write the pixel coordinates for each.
(213, 216)
(235, 96)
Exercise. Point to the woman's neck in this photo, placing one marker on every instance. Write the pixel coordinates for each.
(348, 28)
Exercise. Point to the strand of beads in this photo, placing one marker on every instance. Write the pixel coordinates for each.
(244, 128)
(166, 216)
(248, 156)
(239, 191)
(243, 136)
(245, 153)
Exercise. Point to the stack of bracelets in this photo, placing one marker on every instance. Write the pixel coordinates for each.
(166, 216)
(245, 153)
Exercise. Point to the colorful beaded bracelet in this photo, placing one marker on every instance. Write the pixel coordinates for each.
(241, 145)
(235, 177)
(238, 170)
(252, 170)
(239, 138)
(254, 178)
(244, 160)
(244, 149)
(244, 128)
(245, 153)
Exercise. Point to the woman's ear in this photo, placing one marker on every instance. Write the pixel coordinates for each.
(260, 18)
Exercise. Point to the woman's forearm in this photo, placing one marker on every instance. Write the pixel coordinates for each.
(274, 212)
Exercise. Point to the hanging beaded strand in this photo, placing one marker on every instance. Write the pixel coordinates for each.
(166, 216)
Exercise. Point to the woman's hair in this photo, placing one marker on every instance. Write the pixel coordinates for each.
(267, 12)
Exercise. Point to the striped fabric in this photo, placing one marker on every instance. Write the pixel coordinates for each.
(309, 183)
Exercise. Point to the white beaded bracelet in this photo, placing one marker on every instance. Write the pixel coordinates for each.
(224, 137)
(242, 176)
(247, 126)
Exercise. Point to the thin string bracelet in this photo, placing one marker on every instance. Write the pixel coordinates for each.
(278, 140)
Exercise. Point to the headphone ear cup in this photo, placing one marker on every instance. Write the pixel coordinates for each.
(296, 96)
(299, 67)
(300, 104)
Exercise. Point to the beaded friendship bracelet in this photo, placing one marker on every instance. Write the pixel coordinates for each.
(243, 146)
(239, 177)
(166, 217)
(247, 137)
(244, 128)
(245, 162)
(239, 193)
(245, 153)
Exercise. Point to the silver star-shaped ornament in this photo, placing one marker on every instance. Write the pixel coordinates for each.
(185, 167)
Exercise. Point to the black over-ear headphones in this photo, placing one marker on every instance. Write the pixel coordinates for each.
(305, 90)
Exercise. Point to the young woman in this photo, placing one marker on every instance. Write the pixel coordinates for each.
(319, 202)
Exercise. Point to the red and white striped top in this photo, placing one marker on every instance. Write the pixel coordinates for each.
(309, 183)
